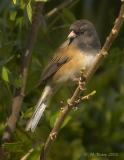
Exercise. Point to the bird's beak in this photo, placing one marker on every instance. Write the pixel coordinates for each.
(72, 35)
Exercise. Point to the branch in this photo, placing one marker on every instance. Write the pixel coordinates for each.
(27, 154)
(25, 157)
(26, 58)
(100, 56)
(58, 8)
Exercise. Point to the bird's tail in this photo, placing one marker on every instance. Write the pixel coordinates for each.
(39, 109)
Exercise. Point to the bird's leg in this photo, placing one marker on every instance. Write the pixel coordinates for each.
(82, 80)
(81, 85)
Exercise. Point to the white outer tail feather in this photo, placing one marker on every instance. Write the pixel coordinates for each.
(39, 109)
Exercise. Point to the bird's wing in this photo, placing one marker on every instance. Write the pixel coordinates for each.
(55, 64)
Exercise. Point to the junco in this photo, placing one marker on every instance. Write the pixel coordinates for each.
(76, 53)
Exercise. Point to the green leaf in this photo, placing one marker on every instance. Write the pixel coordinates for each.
(14, 1)
(53, 119)
(29, 11)
(35, 155)
(27, 114)
(5, 74)
(18, 82)
(67, 119)
(13, 15)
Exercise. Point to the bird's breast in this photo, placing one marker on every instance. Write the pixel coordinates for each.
(71, 70)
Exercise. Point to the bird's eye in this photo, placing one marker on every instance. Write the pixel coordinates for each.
(77, 32)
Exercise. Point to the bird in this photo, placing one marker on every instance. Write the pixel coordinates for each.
(77, 52)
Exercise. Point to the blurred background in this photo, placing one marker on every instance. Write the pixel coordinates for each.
(96, 130)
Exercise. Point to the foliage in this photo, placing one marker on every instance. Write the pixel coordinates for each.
(95, 130)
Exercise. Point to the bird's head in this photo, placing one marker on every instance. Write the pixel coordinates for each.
(83, 34)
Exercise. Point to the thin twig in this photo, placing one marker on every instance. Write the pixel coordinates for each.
(26, 58)
(67, 108)
(88, 96)
(58, 8)
(27, 154)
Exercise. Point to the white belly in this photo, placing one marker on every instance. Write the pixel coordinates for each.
(88, 61)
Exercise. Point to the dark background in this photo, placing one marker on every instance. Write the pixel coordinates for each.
(96, 130)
